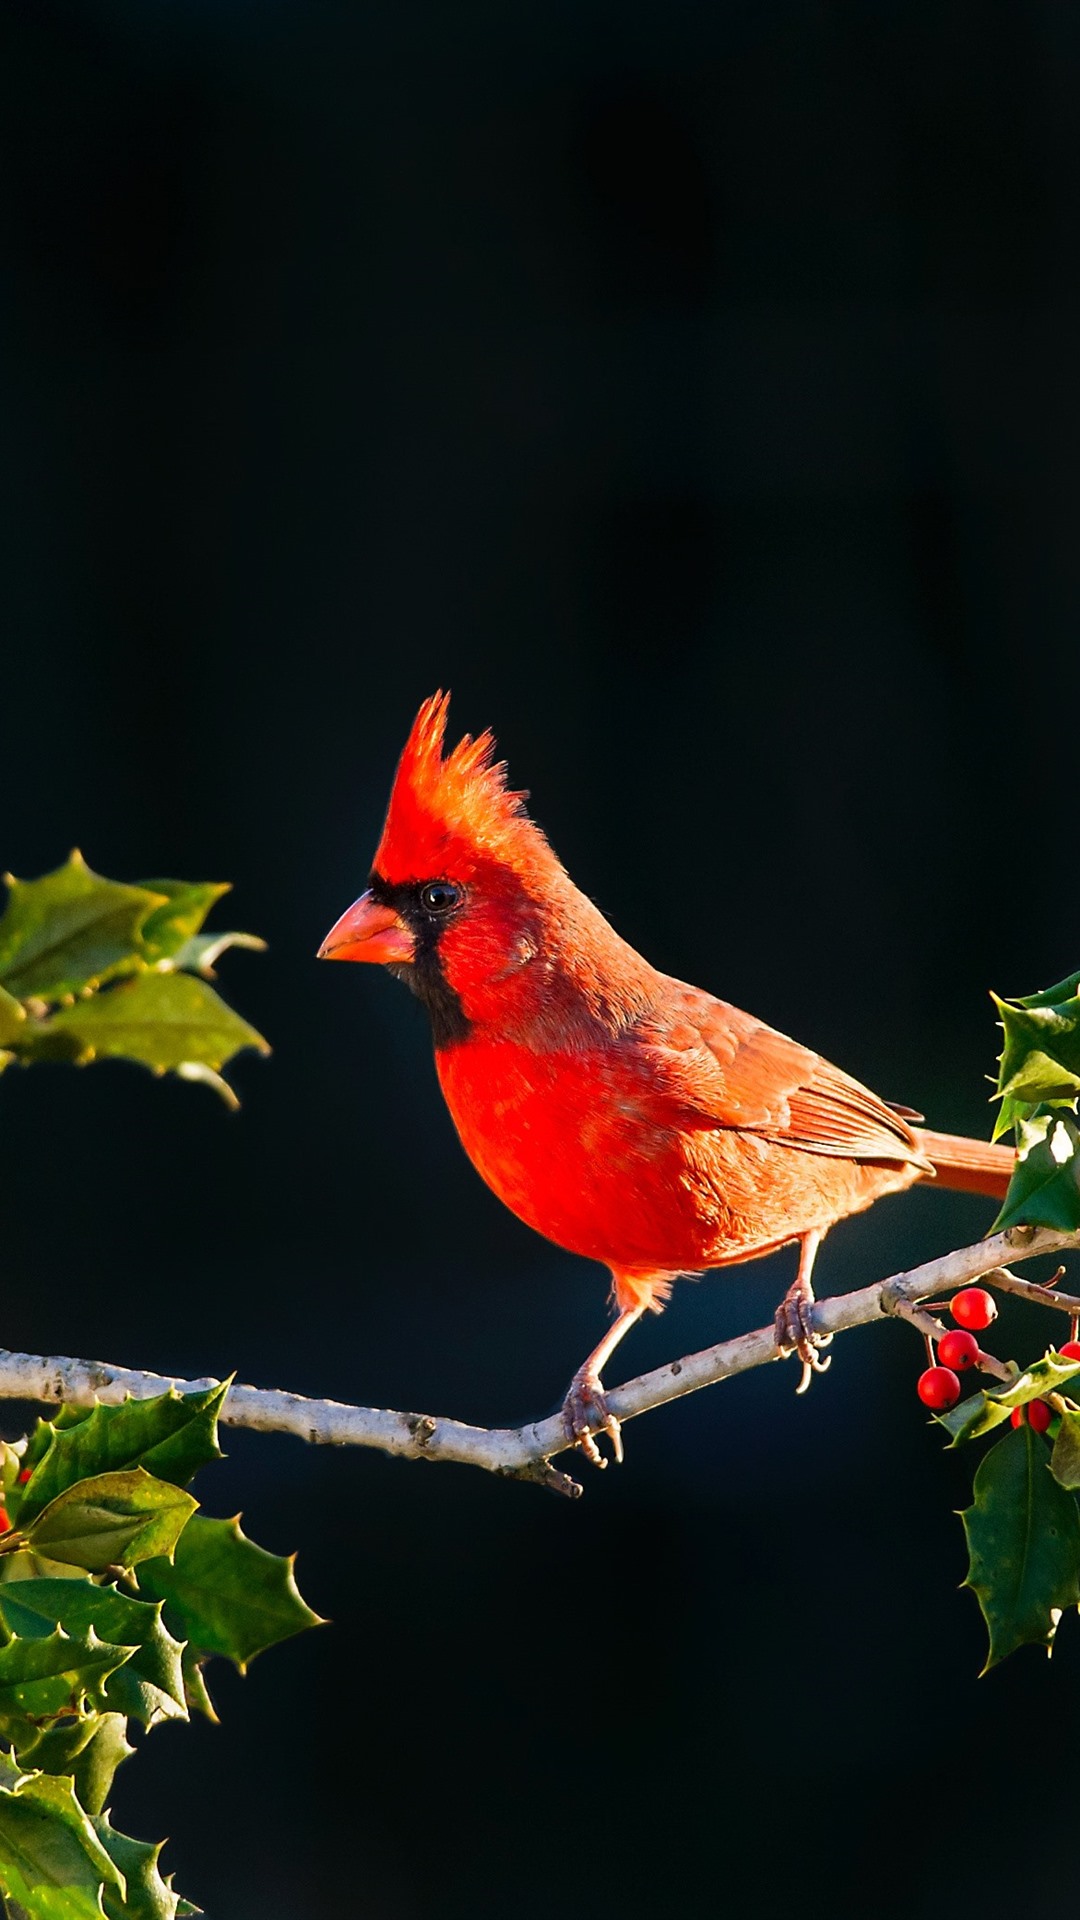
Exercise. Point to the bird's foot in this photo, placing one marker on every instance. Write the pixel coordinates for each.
(586, 1413)
(795, 1333)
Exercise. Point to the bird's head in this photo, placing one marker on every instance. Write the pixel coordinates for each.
(463, 886)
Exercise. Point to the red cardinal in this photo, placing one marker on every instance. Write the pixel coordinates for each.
(629, 1117)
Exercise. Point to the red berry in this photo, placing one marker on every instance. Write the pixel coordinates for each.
(938, 1388)
(958, 1350)
(1017, 1417)
(24, 1474)
(5, 1523)
(973, 1308)
(1071, 1350)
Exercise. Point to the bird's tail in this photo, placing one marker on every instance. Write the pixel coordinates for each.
(967, 1166)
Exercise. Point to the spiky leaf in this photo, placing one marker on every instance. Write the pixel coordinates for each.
(983, 1411)
(69, 930)
(88, 1746)
(226, 1595)
(196, 1691)
(12, 1015)
(1065, 1459)
(52, 1864)
(1045, 1187)
(184, 906)
(1023, 1535)
(96, 1765)
(147, 1897)
(113, 1519)
(150, 1685)
(1064, 990)
(198, 954)
(1041, 1056)
(171, 1435)
(163, 1020)
(57, 1674)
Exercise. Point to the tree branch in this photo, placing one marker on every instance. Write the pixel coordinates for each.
(525, 1453)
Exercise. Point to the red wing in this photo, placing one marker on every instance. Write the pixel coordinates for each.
(733, 1071)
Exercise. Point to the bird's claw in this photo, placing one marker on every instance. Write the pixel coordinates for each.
(795, 1333)
(585, 1414)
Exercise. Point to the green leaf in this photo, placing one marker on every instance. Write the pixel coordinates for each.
(52, 1863)
(1045, 1187)
(196, 1691)
(147, 1895)
(57, 1746)
(60, 1674)
(150, 1685)
(164, 1020)
(23, 1565)
(226, 1595)
(1023, 1535)
(171, 1435)
(184, 906)
(1065, 1459)
(1048, 1034)
(171, 936)
(981, 1412)
(12, 1016)
(97, 1763)
(70, 930)
(113, 1519)
(198, 954)
(1050, 996)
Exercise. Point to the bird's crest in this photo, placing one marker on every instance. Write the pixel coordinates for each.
(446, 812)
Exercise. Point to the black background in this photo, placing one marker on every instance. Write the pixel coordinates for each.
(693, 390)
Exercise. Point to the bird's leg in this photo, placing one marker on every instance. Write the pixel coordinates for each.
(794, 1329)
(585, 1411)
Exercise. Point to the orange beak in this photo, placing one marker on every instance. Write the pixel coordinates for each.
(368, 931)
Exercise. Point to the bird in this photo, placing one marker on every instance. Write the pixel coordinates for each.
(631, 1118)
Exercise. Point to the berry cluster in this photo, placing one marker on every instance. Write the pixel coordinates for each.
(973, 1309)
(938, 1387)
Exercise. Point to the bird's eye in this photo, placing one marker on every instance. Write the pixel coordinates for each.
(440, 896)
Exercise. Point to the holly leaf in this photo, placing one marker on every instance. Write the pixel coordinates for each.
(224, 1594)
(196, 1691)
(69, 930)
(12, 1015)
(981, 1412)
(184, 906)
(1023, 1536)
(147, 1896)
(1065, 1459)
(59, 1674)
(96, 1765)
(53, 1866)
(112, 1519)
(164, 1020)
(87, 1748)
(1041, 1056)
(171, 1435)
(150, 1685)
(1050, 996)
(198, 954)
(1045, 1187)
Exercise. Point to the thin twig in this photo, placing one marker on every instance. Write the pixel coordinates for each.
(521, 1452)
(1047, 1296)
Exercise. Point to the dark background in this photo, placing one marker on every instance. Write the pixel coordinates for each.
(693, 390)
